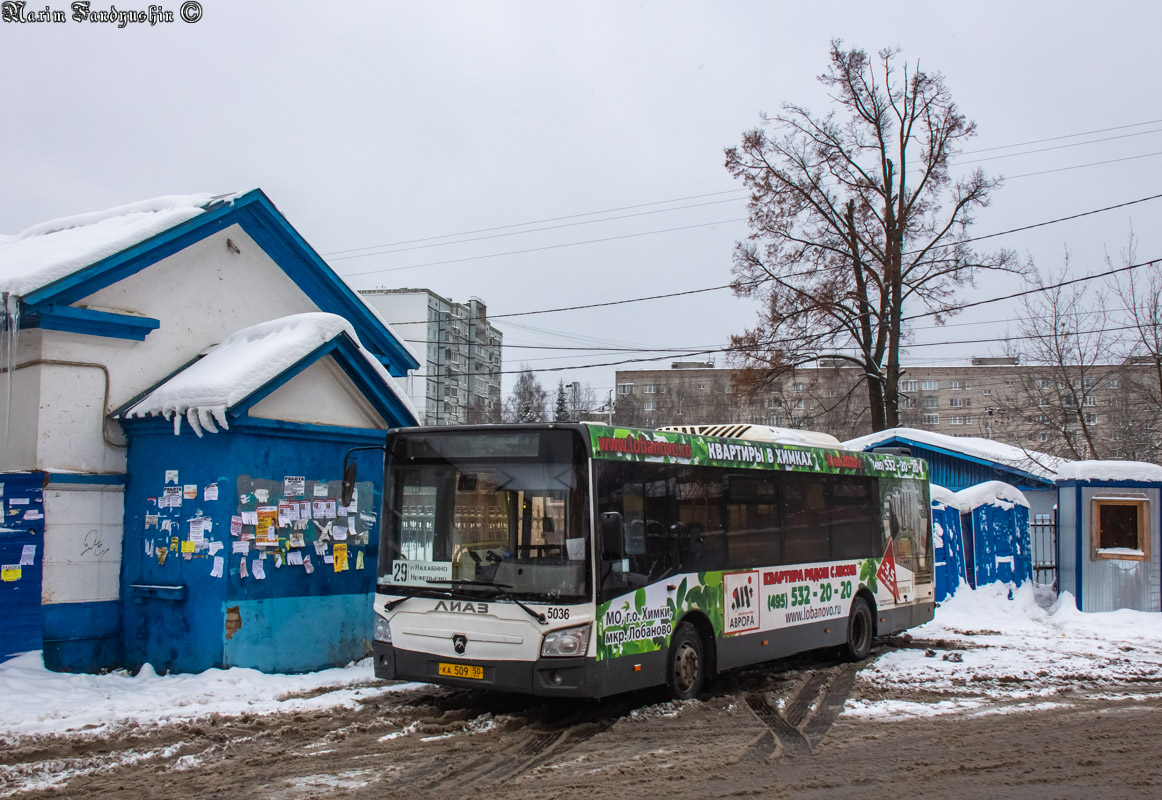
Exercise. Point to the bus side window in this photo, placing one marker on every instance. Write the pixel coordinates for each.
(806, 533)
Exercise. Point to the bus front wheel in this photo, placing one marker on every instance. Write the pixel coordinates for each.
(686, 671)
(859, 631)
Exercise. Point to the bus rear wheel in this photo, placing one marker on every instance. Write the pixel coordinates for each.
(859, 631)
(686, 671)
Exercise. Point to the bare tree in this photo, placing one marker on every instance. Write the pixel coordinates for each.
(482, 410)
(529, 401)
(854, 216)
(1064, 337)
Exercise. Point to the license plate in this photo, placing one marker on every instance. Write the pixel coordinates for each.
(460, 671)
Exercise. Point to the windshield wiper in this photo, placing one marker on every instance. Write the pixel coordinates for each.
(421, 591)
(500, 592)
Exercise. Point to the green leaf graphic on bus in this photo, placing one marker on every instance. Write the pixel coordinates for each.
(645, 624)
(867, 573)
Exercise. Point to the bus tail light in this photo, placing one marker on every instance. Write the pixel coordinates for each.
(566, 642)
(382, 630)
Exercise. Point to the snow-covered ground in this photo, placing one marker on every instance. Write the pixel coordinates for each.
(1013, 655)
(987, 653)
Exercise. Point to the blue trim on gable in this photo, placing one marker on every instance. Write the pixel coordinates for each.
(306, 431)
(1000, 467)
(89, 321)
(257, 215)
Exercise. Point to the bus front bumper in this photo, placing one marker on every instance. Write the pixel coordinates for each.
(552, 677)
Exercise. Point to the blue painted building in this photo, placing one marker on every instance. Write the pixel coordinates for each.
(1110, 545)
(108, 310)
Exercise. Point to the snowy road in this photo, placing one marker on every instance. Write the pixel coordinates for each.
(994, 698)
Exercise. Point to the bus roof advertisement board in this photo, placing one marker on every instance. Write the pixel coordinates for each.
(630, 444)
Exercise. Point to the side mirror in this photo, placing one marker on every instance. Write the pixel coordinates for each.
(612, 539)
(348, 482)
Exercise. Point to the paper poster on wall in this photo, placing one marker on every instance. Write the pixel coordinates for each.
(18, 501)
(242, 568)
(216, 572)
(320, 548)
(10, 573)
(328, 559)
(296, 539)
(262, 495)
(287, 513)
(321, 490)
(235, 525)
(161, 553)
(28, 555)
(358, 559)
(340, 558)
(242, 546)
(151, 520)
(171, 497)
(33, 514)
(148, 548)
(198, 529)
(174, 543)
(258, 569)
(294, 486)
(307, 565)
(295, 558)
(190, 491)
(188, 547)
(267, 517)
(304, 509)
(267, 537)
(210, 492)
(214, 547)
(249, 517)
(278, 560)
(339, 533)
(171, 476)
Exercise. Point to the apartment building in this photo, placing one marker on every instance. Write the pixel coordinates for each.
(1103, 411)
(458, 380)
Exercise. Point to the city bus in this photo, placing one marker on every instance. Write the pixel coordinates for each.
(586, 560)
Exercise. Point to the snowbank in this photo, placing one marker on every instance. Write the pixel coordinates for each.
(37, 701)
(49, 251)
(1014, 655)
(244, 362)
(1109, 471)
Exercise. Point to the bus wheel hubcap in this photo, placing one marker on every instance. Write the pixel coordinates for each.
(687, 667)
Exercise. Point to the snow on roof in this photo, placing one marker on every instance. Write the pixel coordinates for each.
(1109, 471)
(941, 495)
(244, 362)
(989, 493)
(49, 251)
(1040, 464)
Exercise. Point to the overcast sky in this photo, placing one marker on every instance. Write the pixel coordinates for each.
(371, 124)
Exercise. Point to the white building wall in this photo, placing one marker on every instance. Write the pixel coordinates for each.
(322, 394)
(407, 313)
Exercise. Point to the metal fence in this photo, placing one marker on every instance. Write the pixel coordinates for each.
(1043, 533)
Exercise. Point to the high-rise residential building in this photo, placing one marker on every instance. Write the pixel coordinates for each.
(458, 380)
(1076, 411)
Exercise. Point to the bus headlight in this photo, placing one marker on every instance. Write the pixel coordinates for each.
(382, 630)
(566, 642)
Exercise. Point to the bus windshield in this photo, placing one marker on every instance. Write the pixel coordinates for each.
(488, 514)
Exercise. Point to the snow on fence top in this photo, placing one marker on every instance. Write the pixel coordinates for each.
(244, 362)
(989, 493)
(1031, 461)
(1110, 471)
(49, 251)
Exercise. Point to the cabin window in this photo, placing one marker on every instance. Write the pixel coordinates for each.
(1121, 528)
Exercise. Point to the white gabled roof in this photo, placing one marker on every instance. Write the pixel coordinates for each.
(243, 363)
(1040, 464)
(49, 251)
(1110, 471)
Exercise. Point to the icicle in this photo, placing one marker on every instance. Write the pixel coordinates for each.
(220, 415)
(192, 418)
(9, 339)
(206, 418)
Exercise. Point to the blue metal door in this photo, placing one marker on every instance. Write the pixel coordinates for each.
(21, 562)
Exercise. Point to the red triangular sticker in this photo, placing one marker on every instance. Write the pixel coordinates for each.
(886, 574)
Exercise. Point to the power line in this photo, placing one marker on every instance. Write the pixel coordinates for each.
(716, 194)
(1081, 166)
(1035, 290)
(730, 285)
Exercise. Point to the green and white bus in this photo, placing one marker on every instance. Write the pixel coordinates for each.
(583, 560)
